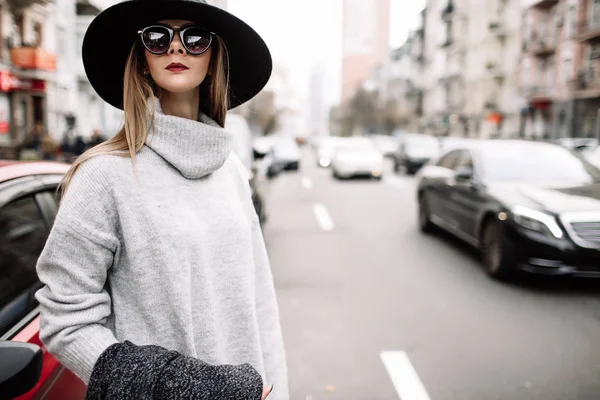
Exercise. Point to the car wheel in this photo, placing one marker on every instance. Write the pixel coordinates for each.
(335, 174)
(425, 224)
(494, 252)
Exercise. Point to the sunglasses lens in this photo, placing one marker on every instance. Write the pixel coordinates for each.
(196, 40)
(156, 39)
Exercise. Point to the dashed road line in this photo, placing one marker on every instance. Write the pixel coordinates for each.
(323, 218)
(404, 377)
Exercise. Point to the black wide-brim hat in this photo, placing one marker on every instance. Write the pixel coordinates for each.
(113, 32)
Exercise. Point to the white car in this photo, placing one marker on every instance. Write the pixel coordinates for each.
(356, 157)
(286, 153)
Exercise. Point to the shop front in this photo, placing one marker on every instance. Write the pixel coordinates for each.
(22, 109)
(23, 102)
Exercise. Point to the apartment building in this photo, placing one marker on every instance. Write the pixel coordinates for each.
(400, 86)
(584, 69)
(559, 75)
(492, 48)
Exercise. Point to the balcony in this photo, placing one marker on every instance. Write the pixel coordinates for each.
(584, 88)
(587, 30)
(544, 4)
(497, 30)
(33, 58)
(542, 47)
(538, 93)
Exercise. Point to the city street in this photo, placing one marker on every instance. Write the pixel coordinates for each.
(366, 300)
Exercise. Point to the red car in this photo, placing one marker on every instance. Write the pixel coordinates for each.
(28, 205)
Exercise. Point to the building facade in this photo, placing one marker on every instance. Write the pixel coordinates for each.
(400, 83)
(91, 112)
(470, 80)
(365, 41)
(27, 71)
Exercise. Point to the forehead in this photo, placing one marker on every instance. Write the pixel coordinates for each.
(175, 22)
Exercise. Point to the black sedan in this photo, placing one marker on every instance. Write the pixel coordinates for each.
(527, 206)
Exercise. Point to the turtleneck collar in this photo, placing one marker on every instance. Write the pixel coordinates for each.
(194, 148)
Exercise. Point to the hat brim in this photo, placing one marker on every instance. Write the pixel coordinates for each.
(113, 32)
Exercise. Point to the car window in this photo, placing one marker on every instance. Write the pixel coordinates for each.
(450, 160)
(464, 160)
(23, 234)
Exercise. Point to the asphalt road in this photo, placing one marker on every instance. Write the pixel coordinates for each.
(356, 278)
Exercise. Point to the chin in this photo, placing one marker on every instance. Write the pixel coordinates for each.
(178, 85)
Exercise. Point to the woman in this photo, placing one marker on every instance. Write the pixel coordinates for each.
(157, 281)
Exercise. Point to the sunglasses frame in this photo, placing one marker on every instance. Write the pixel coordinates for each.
(172, 30)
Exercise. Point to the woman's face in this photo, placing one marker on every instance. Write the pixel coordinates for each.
(177, 71)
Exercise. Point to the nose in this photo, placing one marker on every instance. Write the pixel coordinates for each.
(176, 45)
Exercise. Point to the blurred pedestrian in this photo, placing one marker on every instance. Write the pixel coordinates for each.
(156, 241)
(95, 139)
(49, 147)
(79, 146)
(31, 149)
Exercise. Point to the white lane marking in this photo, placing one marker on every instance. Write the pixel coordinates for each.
(395, 182)
(307, 183)
(323, 218)
(403, 375)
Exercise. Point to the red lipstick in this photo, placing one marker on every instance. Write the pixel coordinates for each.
(176, 67)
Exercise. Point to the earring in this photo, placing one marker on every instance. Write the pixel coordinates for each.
(146, 73)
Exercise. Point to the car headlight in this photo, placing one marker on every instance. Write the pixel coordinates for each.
(537, 221)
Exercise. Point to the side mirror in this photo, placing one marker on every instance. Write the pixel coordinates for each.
(464, 174)
(20, 368)
(258, 155)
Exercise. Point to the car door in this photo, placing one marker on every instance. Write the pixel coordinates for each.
(27, 210)
(438, 177)
(466, 197)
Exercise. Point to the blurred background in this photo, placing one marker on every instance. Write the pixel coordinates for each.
(426, 173)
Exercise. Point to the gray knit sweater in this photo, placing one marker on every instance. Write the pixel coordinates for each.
(166, 253)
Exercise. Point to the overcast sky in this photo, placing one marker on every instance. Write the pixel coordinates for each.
(308, 33)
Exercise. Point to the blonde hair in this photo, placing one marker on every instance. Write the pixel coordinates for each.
(137, 92)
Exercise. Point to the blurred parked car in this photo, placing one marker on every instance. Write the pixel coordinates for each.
(237, 126)
(578, 144)
(414, 151)
(527, 206)
(593, 156)
(325, 150)
(356, 157)
(386, 144)
(28, 205)
(286, 153)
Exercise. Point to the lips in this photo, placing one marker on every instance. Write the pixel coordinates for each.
(176, 67)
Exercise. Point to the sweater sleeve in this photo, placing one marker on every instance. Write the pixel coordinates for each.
(73, 267)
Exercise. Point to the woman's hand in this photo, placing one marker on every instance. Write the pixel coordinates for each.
(266, 392)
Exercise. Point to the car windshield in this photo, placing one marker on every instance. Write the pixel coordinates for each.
(535, 162)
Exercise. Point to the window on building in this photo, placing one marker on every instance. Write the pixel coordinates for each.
(21, 28)
(572, 25)
(38, 34)
(593, 56)
(595, 15)
(23, 234)
(567, 69)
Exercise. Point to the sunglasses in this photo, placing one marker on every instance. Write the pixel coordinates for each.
(157, 38)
